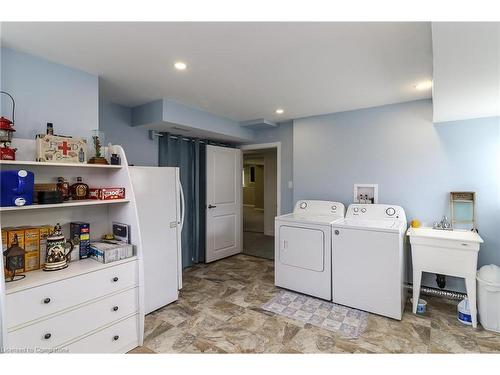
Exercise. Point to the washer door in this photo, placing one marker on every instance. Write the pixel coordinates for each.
(302, 248)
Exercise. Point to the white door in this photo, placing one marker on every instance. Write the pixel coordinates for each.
(224, 221)
(157, 199)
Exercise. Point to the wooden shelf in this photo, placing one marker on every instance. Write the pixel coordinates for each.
(67, 165)
(86, 202)
(75, 268)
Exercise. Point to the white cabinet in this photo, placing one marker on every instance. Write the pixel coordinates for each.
(70, 321)
(89, 306)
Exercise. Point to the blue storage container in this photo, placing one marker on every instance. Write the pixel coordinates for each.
(16, 188)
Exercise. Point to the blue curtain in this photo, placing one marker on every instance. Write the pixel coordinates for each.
(190, 156)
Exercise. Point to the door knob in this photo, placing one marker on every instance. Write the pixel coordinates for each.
(210, 206)
(337, 232)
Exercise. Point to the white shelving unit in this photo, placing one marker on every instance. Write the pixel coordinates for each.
(27, 163)
(100, 215)
(86, 202)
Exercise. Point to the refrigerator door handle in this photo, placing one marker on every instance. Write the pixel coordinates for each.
(183, 205)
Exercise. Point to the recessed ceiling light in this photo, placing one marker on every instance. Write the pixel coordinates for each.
(280, 111)
(179, 65)
(424, 85)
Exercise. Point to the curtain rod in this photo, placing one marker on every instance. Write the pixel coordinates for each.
(153, 134)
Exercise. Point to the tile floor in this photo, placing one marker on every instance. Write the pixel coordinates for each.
(219, 311)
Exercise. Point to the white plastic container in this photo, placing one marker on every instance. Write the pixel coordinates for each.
(488, 297)
(421, 306)
(463, 312)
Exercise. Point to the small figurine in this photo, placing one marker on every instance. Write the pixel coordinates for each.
(96, 140)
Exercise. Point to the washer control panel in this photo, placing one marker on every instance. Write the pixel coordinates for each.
(313, 207)
(375, 211)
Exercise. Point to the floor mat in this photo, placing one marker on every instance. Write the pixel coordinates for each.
(349, 323)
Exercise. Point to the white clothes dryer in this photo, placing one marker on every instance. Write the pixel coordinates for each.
(303, 247)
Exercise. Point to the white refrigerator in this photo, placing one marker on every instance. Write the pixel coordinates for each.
(160, 207)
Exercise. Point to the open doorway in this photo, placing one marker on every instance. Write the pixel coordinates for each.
(260, 199)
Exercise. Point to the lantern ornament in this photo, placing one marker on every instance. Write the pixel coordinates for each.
(6, 133)
(14, 260)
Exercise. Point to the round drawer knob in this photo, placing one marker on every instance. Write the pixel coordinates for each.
(46, 300)
(115, 308)
(115, 279)
(116, 337)
(47, 336)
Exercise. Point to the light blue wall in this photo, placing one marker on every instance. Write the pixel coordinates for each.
(48, 92)
(415, 162)
(116, 123)
(284, 134)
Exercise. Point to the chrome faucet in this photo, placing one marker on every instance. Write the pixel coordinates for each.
(444, 224)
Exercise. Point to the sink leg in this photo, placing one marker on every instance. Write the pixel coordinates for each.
(470, 283)
(417, 279)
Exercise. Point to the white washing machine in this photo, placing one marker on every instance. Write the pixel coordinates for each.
(369, 260)
(303, 247)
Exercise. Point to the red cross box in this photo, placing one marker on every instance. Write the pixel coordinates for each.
(58, 149)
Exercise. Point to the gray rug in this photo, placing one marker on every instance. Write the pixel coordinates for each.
(349, 323)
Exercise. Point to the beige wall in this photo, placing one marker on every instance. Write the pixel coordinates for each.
(270, 191)
(259, 186)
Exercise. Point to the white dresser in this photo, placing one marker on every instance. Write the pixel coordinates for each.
(52, 312)
(89, 307)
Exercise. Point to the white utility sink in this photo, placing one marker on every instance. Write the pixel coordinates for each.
(446, 252)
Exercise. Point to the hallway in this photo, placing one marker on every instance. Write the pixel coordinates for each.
(255, 242)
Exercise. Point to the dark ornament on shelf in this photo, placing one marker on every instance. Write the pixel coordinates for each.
(14, 260)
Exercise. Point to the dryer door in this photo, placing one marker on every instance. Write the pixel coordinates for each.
(302, 247)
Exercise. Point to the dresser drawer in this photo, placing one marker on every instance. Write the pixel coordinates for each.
(118, 338)
(67, 326)
(30, 304)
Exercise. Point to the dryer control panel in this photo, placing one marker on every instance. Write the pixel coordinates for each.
(314, 207)
(375, 211)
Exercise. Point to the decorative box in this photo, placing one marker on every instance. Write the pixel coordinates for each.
(110, 251)
(81, 233)
(107, 193)
(58, 149)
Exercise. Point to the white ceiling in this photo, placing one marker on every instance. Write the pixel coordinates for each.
(242, 71)
(466, 70)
